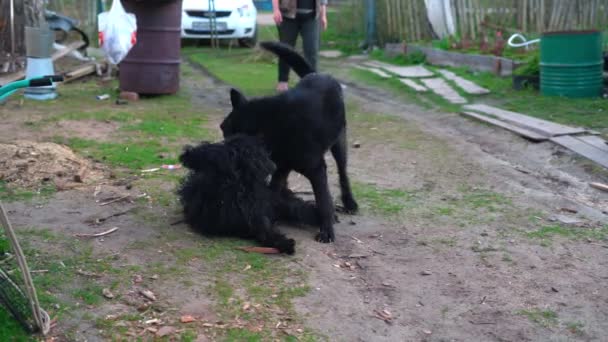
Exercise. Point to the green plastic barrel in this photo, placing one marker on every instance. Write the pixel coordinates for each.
(571, 63)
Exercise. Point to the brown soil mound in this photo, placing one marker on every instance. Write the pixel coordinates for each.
(28, 164)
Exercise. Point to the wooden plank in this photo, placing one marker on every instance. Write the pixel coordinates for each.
(515, 129)
(80, 72)
(374, 70)
(543, 127)
(69, 48)
(580, 147)
(402, 71)
(414, 85)
(466, 85)
(594, 141)
(440, 87)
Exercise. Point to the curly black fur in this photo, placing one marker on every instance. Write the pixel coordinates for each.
(226, 193)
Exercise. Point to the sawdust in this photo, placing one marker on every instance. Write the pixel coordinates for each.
(28, 164)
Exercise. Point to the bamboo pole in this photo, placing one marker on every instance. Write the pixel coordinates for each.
(541, 16)
(400, 21)
(461, 19)
(471, 17)
(410, 20)
(417, 20)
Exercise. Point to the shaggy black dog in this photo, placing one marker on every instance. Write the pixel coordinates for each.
(298, 127)
(226, 193)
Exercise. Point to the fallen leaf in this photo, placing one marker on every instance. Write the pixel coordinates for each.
(248, 267)
(154, 277)
(187, 319)
(148, 294)
(164, 331)
(153, 321)
(208, 325)
(384, 315)
(152, 330)
(107, 293)
(246, 306)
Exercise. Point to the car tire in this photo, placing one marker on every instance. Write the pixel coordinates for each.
(249, 42)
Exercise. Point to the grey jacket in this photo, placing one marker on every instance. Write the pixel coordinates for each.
(289, 7)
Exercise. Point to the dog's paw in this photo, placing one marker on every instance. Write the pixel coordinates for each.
(287, 246)
(325, 237)
(350, 205)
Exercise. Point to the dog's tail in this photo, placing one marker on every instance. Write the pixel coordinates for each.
(290, 56)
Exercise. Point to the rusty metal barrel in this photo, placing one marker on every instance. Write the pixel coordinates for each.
(152, 65)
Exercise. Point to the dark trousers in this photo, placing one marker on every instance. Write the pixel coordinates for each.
(308, 28)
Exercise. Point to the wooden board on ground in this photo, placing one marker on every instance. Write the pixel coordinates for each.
(515, 129)
(468, 86)
(55, 56)
(547, 128)
(440, 87)
(595, 141)
(374, 70)
(581, 147)
(413, 84)
(414, 71)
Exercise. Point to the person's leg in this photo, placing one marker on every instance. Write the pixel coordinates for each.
(310, 40)
(288, 34)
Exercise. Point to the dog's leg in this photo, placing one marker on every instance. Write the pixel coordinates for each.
(278, 183)
(325, 205)
(268, 236)
(340, 152)
(293, 210)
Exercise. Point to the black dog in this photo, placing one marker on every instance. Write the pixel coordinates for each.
(226, 193)
(298, 127)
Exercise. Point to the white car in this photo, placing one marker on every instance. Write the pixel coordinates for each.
(235, 19)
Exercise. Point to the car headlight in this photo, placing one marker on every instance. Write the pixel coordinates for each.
(244, 11)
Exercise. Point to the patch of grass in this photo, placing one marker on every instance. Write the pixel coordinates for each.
(489, 200)
(252, 77)
(444, 211)
(239, 334)
(89, 294)
(401, 59)
(575, 327)
(149, 132)
(136, 155)
(547, 233)
(382, 201)
(13, 194)
(10, 329)
(545, 318)
(185, 128)
(343, 33)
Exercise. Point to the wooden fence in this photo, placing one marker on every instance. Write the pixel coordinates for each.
(406, 20)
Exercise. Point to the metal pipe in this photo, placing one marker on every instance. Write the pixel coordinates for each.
(12, 28)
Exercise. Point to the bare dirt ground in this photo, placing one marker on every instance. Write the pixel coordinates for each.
(459, 238)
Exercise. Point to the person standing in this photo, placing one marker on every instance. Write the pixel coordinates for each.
(299, 17)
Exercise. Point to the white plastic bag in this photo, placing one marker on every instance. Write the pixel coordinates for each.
(117, 32)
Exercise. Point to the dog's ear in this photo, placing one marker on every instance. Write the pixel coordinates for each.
(237, 98)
